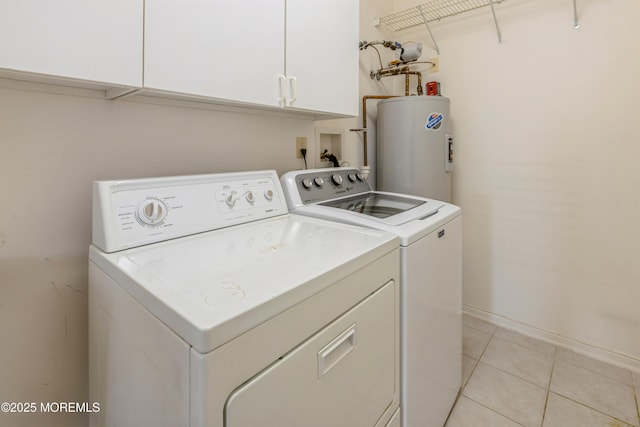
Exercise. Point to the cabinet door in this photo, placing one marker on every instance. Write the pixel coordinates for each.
(215, 49)
(322, 55)
(94, 40)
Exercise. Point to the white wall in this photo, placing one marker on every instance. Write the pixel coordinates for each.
(547, 168)
(52, 147)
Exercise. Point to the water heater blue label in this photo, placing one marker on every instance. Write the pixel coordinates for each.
(434, 121)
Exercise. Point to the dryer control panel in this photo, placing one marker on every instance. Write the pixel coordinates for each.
(137, 212)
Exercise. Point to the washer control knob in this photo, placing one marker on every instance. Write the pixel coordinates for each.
(352, 177)
(318, 181)
(152, 212)
(250, 196)
(268, 194)
(230, 200)
(307, 183)
(336, 178)
(359, 176)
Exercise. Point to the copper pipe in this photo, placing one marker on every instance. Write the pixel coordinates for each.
(406, 72)
(419, 88)
(364, 123)
(406, 84)
(384, 73)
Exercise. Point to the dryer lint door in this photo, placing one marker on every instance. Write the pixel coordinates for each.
(344, 375)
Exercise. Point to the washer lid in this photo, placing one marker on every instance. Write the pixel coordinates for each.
(410, 226)
(211, 287)
(386, 206)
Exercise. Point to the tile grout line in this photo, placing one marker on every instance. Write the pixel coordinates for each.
(635, 394)
(486, 346)
(475, 365)
(481, 354)
(595, 370)
(546, 400)
(513, 375)
(477, 360)
(482, 321)
(527, 349)
(582, 403)
(555, 349)
(474, 369)
(595, 409)
(495, 328)
(494, 411)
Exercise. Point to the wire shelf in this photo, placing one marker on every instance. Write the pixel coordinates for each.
(430, 11)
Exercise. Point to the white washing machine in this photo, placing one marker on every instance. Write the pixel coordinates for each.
(430, 233)
(210, 305)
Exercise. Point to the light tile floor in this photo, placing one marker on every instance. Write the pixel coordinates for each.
(511, 380)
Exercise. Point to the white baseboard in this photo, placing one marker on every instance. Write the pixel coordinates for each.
(605, 355)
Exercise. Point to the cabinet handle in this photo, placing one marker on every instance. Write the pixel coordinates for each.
(331, 354)
(281, 87)
(292, 90)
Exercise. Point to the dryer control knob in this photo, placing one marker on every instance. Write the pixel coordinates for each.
(352, 177)
(307, 183)
(230, 200)
(152, 212)
(318, 181)
(268, 194)
(250, 196)
(336, 178)
(360, 176)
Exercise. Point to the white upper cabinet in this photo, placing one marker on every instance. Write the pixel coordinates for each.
(322, 55)
(294, 54)
(88, 40)
(287, 55)
(216, 49)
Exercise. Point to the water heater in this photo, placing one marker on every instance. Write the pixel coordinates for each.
(415, 146)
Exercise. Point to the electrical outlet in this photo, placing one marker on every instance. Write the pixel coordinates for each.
(435, 64)
(301, 142)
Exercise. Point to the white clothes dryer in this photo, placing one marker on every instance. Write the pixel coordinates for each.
(211, 306)
(430, 233)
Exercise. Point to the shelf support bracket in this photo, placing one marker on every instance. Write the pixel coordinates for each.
(576, 24)
(495, 20)
(426, 24)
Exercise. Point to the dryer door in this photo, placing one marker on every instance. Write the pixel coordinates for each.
(344, 375)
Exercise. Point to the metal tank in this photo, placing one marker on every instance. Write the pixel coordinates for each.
(415, 146)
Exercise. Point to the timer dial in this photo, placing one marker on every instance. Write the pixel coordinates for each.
(152, 212)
